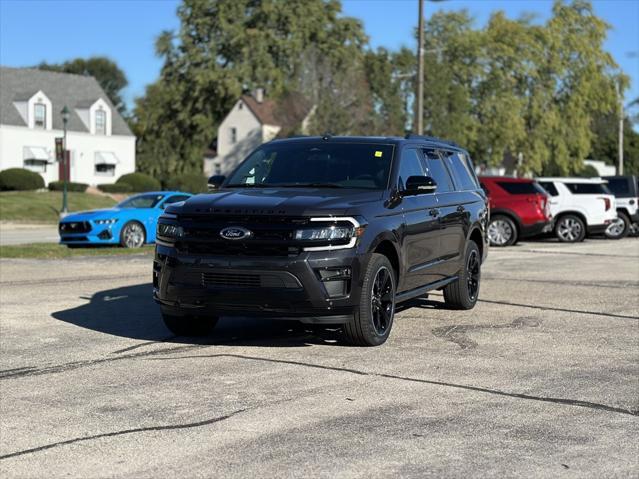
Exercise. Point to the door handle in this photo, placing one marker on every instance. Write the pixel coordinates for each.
(434, 212)
(460, 209)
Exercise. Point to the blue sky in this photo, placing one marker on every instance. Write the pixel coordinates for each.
(32, 31)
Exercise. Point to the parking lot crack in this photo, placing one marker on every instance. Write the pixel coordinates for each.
(563, 401)
(168, 427)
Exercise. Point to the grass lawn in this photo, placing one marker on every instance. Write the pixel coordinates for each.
(44, 207)
(55, 251)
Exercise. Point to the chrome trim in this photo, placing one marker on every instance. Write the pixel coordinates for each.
(356, 224)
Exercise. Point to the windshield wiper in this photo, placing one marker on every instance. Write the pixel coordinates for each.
(308, 185)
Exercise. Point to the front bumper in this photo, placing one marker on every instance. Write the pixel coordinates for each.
(101, 235)
(270, 286)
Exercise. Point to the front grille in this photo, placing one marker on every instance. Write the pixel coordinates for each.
(75, 227)
(226, 248)
(231, 280)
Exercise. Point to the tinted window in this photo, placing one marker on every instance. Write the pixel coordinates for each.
(410, 165)
(438, 172)
(620, 187)
(587, 188)
(141, 201)
(549, 187)
(464, 178)
(520, 187)
(316, 164)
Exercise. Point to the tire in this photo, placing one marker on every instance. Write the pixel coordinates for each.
(132, 235)
(619, 228)
(570, 229)
(502, 231)
(189, 325)
(464, 292)
(372, 323)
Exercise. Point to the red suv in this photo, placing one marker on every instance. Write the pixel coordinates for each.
(519, 208)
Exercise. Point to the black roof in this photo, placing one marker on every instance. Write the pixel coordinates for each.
(396, 140)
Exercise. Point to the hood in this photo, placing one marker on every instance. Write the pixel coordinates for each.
(280, 201)
(106, 213)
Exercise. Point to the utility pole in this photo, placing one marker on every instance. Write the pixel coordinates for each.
(65, 164)
(620, 145)
(420, 70)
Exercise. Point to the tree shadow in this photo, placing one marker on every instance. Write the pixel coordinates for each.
(130, 312)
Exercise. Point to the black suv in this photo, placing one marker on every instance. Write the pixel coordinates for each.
(325, 230)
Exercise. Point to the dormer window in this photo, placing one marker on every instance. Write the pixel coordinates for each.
(40, 115)
(100, 122)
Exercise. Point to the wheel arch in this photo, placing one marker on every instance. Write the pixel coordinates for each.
(510, 214)
(579, 214)
(126, 221)
(476, 236)
(385, 244)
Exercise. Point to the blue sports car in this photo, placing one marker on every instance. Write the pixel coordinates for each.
(130, 223)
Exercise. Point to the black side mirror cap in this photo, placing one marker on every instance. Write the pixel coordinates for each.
(215, 182)
(418, 185)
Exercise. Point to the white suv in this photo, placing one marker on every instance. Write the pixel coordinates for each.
(626, 191)
(579, 206)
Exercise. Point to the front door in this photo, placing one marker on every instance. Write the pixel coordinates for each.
(421, 246)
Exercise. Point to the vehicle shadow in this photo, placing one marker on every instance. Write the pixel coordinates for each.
(130, 312)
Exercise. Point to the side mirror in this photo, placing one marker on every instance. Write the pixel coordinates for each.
(418, 185)
(215, 182)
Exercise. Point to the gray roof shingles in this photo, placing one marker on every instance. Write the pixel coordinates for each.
(61, 88)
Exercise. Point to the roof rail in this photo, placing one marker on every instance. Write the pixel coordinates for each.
(413, 136)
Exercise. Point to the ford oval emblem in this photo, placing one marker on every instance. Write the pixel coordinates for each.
(235, 233)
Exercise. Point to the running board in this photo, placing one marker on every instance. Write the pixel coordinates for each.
(414, 293)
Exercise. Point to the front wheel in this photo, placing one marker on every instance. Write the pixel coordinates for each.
(132, 235)
(373, 322)
(464, 292)
(501, 231)
(189, 325)
(570, 229)
(619, 228)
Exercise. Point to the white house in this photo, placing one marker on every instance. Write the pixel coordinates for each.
(100, 144)
(254, 120)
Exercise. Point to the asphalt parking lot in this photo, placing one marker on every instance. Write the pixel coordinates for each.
(540, 379)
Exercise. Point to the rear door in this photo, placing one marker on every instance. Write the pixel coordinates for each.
(421, 244)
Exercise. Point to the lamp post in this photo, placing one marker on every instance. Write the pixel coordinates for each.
(65, 159)
(620, 132)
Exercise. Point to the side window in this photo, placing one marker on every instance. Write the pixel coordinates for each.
(464, 178)
(410, 165)
(550, 187)
(438, 172)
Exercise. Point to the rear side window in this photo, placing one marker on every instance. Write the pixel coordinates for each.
(587, 188)
(620, 187)
(460, 169)
(549, 187)
(410, 165)
(438, 172)
(520, 188)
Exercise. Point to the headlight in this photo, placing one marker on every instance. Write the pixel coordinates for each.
(105, 222)
(170, 231)
(327, 233)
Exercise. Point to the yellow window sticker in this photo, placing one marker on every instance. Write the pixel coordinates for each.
(378, 154)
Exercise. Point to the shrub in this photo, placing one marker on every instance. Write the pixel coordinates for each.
(188, 182)
(71, 186)
(115, 188)
(19, 179)
(139, 182)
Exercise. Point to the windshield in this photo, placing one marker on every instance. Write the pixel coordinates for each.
(320, 164)
(141, 201)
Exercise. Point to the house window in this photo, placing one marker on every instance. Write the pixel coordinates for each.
(233, 135)
(240, 106)
(217, 169)
(40, 115)
(104, 169)
(100, 122)
(39, 166)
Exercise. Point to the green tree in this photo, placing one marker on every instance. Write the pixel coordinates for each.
(110, 77)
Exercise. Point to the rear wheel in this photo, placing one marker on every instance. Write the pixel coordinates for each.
(463, 293)
(372, 324)
(502, 231)
(570, 229)
(619, 228)
(132, 235)
(189, 325)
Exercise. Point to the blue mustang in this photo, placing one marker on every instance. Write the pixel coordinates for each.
(131, 223)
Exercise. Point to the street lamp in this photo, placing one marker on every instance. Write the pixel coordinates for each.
(65, 159)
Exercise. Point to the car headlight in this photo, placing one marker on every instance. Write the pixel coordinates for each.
(328, 233)
(105, 222)
(170, 231)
